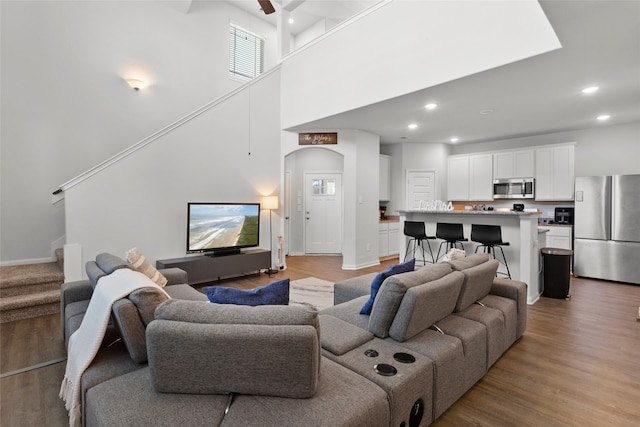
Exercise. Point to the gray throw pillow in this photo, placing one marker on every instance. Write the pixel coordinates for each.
(146, 300)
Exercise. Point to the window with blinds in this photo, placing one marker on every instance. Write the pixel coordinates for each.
(246, 53)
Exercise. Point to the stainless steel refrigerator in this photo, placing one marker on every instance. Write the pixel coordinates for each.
(607, 228)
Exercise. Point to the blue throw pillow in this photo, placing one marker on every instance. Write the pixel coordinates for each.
(276, 293)
(377, 281)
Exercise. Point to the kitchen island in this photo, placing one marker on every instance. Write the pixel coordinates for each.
(520, 229)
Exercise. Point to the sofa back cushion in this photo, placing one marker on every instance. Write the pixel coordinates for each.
(468, 262)
(426, 304)
(104, 264)
(477, 283)
(379, 279)
(392, 292)
(207, 348)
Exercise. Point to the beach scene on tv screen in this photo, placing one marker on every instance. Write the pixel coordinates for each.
(222, 226)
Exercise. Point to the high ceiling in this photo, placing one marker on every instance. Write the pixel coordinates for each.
(538, 95)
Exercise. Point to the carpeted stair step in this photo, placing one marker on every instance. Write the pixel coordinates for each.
(27, 306)
(29, 279)
(29, 290)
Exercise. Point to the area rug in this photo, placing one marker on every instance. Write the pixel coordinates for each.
(312, 292)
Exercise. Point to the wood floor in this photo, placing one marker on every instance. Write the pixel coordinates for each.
(578, 363)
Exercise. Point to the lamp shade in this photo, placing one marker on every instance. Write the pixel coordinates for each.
(269, 202)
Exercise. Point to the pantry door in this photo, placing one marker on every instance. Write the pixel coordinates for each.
(323, 213)
(421, 186)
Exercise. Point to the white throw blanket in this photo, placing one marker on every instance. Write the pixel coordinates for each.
(85, 342)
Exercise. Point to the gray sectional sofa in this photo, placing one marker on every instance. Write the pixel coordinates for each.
(431, 335)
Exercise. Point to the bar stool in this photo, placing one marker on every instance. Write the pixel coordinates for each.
(490, 238)
(452, 234)
(418, 235)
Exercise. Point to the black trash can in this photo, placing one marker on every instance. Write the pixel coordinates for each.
(556, 267)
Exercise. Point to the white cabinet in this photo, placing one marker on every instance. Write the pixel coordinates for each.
(513, 164)
(558, 237)
(458, 178)
(470, 177)
(385, 177)
(555, 173)
(388, 238)
(480, 177)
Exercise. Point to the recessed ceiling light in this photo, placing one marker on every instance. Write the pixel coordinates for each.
(603, 117)
(291, 21)
(487, 111)
(454, 139)
(590, 89)
(431, 106)
(412, 126)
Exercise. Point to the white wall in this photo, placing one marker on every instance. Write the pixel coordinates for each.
(604, 150)
(141, 200)
(414, 156)
(66, 106)
(444, 41)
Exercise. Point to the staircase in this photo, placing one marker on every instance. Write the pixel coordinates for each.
(31, 290)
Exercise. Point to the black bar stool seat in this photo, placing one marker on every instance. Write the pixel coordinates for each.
(490, 238)
(416, 231)
(452, 234)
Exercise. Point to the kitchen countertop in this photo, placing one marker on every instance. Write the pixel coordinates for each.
(495, 212)
(390, 218)
(554, 225)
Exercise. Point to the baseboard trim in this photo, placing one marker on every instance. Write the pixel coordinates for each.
(26, 261)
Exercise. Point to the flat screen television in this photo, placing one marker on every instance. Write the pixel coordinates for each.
(222, 228)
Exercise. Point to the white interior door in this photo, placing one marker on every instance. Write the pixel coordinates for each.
(323, 213)
(421, 186)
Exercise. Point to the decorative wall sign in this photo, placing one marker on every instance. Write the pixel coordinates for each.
(317, 138)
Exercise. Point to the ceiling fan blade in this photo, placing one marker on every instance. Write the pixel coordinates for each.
(266, 6)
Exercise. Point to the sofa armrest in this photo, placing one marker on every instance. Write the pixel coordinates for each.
(517, 291)
(175, 276)
(339, 337)
(73, 292)
(352, 288)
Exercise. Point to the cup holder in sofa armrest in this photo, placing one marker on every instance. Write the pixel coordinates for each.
(339, 337)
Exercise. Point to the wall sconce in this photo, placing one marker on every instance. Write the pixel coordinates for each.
(136, 84)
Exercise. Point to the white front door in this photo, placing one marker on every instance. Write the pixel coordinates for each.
(421, 186)
(323, 213)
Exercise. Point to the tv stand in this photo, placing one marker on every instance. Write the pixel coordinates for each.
(223, 252)
(205, 268)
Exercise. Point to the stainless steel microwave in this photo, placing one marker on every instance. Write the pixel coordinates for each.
(515, 188)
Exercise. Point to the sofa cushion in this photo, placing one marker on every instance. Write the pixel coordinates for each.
(140, 263)
(110, 263)
(276, 293)
(132, 331)
(146, 300)
(381, 277)
(392, 291)
(468, 262)
(261, 350)
(94, 273)
(339, 337)
(477, 283)
(426, 304)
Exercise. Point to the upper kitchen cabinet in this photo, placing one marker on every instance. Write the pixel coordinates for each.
(458, 178)
(470, 177)
(513, 164)
(385, 177)
(480, 173)
(555, 173)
